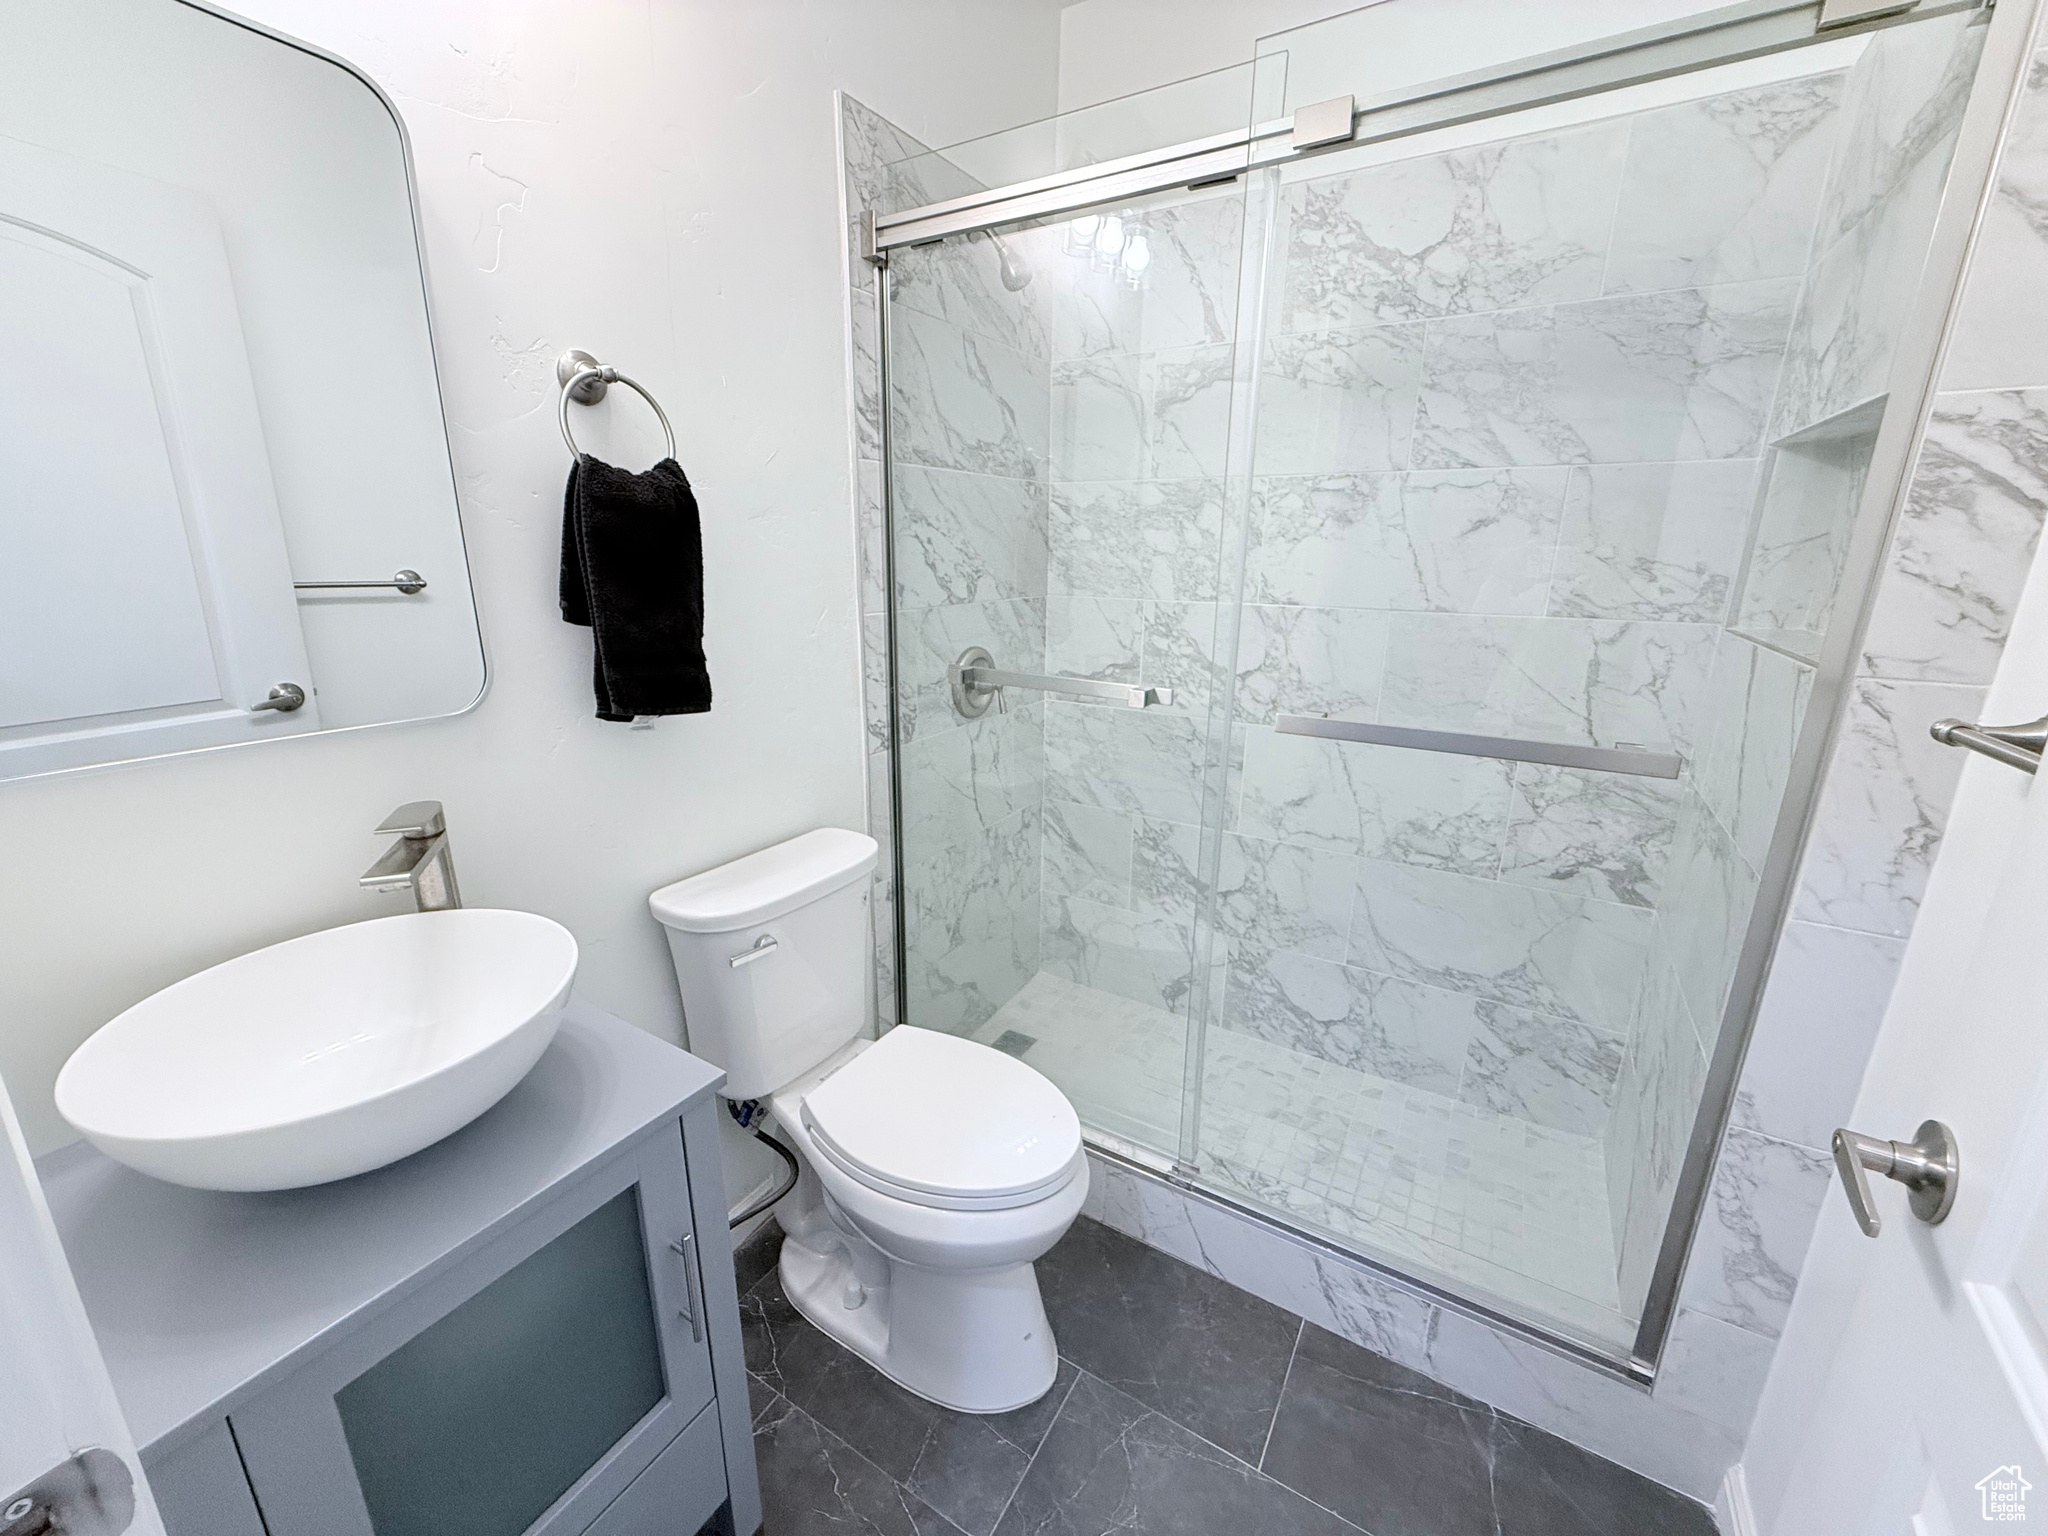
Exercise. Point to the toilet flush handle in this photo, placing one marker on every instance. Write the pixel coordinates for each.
(764, 946)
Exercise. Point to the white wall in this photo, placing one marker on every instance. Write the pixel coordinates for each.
(1110, 48)
(661, 189)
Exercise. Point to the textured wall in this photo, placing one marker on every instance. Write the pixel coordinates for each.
(658, 185)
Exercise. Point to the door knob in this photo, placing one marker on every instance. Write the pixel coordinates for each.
(92, 1494)
(1926, 1165)
(284, 698)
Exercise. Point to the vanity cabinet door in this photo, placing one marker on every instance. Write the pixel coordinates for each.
(201, 1489)
(521, 1391)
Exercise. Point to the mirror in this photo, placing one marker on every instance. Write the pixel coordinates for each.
(227, 479)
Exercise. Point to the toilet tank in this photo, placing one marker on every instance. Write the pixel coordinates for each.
(772, 952)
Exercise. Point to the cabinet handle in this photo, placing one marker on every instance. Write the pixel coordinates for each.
(685, 1248)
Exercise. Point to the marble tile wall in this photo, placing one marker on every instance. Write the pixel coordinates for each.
(868, 146)
(1900, 112)
(1508, 431)
(1937, 623)
(1754, 706)
(970, 437)
(1141, 397)
(970, 440)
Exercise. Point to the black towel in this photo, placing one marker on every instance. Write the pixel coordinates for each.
(633, 570)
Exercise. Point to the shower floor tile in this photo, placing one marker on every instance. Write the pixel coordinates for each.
(1495, 1205)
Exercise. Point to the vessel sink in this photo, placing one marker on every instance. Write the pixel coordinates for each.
(325, 1056)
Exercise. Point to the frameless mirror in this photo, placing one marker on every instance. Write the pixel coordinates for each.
(228, 510)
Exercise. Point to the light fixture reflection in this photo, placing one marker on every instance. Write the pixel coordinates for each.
(1109, 242)
(1137, 258)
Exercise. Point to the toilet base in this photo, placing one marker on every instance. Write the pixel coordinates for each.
(975, 1342)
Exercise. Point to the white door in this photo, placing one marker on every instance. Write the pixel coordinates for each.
(56, 1401)
(1910, 1393)
(146, 600)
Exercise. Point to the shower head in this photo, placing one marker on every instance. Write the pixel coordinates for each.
(1016, 272)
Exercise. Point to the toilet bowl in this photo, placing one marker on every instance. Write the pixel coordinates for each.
(933, 1170)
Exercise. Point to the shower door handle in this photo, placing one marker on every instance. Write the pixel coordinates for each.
(1561, 754)
(1131, 695)
(976, 679)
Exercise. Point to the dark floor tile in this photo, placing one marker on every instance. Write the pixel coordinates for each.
(967, 1472)
(1111, 1464)
(768, 1327)
(1197, 1349)
(1402, 1455)
(757, 1255)
(963, 1465)
(1025, 1427)
(848, 1396)
(760, 1396)
(1384, 1447)
(815, 1484)
(1544, 1486)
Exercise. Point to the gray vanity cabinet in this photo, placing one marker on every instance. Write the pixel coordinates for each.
(528, 1329)
(524, 1391)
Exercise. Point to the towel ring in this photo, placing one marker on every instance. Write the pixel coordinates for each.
(584, 379)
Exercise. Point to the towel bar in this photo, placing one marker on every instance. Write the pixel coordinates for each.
(407, 581)
(585, 380)
(2017, 746)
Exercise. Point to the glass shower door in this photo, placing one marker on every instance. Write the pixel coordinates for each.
(1560, 424)
(1059, 410)
(1477, 504)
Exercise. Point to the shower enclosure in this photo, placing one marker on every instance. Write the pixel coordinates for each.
(1360, 570)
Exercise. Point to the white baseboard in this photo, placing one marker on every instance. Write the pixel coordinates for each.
(1731, 1506)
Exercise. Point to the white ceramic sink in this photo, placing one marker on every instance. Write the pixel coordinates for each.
(324, 1056)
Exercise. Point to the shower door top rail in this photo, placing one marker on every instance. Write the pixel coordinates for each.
(1558, 754)
(1745, 31)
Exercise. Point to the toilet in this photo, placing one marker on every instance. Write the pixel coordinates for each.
(935, 1170)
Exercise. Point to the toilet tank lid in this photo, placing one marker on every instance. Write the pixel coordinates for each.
(767, 884)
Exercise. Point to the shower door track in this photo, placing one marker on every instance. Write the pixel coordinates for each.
(1739, 32)
(1747, 31)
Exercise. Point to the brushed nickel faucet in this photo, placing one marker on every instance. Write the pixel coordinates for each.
(420, 860)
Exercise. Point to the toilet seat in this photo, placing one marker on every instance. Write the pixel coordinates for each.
(946, 1123)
